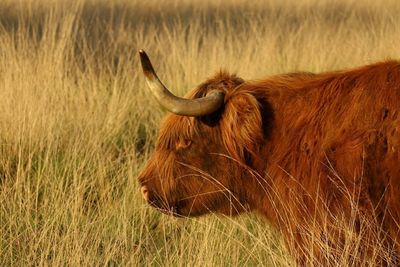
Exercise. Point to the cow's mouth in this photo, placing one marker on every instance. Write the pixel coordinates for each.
(166, 208)
(170, 210)
(175, 211)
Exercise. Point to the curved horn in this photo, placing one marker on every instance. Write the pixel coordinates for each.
(181, 106)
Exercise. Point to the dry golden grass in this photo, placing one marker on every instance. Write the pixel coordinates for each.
(77, 123)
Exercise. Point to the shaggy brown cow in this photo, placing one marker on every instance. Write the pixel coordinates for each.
(317, 154)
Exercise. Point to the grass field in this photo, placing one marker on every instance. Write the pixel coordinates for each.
(77, 123)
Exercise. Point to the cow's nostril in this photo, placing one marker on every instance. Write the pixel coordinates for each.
(145, 192)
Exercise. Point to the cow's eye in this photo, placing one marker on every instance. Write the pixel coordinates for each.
(182, 144)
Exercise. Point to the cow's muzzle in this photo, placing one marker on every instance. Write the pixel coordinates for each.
(158, 203)
(145, 193)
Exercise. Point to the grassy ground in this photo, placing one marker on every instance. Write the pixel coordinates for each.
(77, 123)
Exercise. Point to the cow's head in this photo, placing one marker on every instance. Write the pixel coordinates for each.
(205, 147)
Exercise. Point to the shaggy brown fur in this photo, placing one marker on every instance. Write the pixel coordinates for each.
(306, 150)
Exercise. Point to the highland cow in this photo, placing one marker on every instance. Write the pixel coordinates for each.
(305, 150)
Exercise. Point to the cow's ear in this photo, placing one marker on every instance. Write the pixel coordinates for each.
(241, 126)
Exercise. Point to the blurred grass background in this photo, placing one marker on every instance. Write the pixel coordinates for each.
(77, 123)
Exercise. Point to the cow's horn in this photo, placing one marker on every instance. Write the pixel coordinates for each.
(181, 106)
